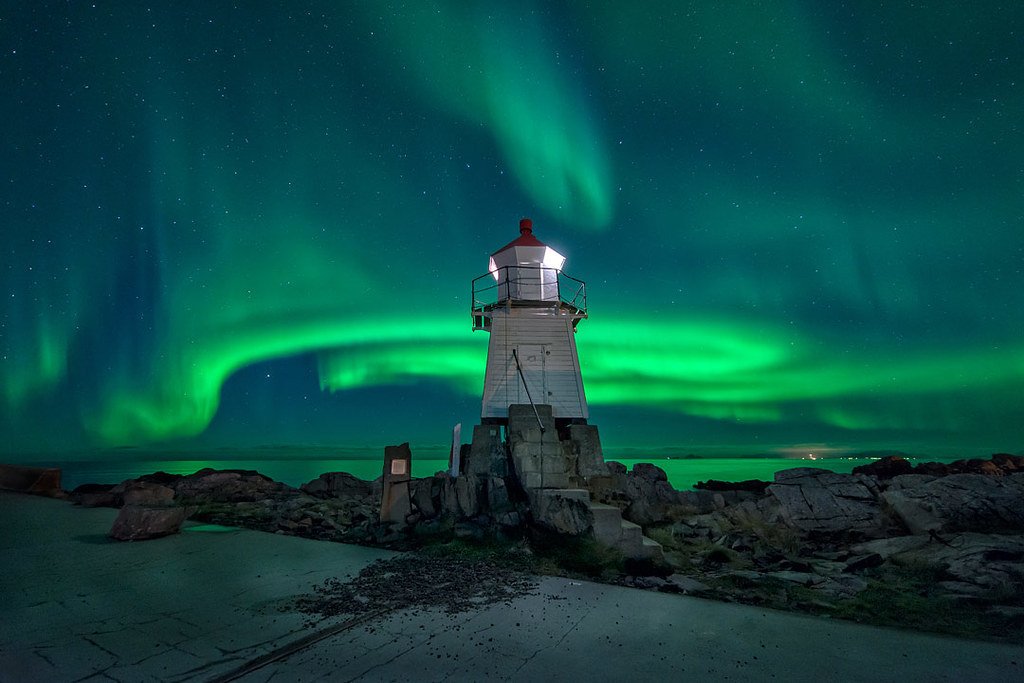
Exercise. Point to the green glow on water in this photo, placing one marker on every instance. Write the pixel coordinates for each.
(209, 529)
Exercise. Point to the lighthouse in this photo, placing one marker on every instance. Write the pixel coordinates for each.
(531, 310)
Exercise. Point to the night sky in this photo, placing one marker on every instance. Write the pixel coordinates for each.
(801, 224)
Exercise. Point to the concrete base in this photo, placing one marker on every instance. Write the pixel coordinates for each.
(201, 606)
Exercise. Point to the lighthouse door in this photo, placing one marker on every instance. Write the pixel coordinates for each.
(531, 358)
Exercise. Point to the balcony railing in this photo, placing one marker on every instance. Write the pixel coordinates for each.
(527, 286)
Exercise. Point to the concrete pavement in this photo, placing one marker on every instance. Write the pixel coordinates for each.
(203, 606)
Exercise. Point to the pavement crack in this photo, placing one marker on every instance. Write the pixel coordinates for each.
(39, 653)
(100, 647)
(401, 653)
(290, 648)
(554, 644)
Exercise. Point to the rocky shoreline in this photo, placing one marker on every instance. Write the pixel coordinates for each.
(935, 547)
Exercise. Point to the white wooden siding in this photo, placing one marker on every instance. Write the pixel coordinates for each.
(553, 379)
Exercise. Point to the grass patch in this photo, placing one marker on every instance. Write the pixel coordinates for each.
(908, 597)
(579, 557)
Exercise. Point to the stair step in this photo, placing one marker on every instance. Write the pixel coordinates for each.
(607, 523)
(652, 549)
(631, 530)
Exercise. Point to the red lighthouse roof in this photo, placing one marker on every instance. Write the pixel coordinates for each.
(525, 239)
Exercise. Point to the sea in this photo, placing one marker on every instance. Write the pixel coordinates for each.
(682, 473)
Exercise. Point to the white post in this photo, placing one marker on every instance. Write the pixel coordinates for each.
(454, 460)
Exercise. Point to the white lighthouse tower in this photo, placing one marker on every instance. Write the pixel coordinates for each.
(531, 309)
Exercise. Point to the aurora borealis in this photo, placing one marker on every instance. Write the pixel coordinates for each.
(799, 222)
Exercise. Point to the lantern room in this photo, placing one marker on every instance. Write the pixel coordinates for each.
(526, 269)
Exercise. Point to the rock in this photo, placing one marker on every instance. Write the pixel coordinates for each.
(137, 523)
(801, 578)
(933, 469)
(615, 467)
(230, 486)
(887, 547)
(1008, 463)
(421, 491)
(96, 495)
(886, 468)
(650, 582)
(510, 519)
(916, 516)
(160, 477)
(861, 562)
(563, 512)
(962, 588)
(799, 473)
(650, 498)
(649, 471)
(958, 502)
(742, 576)
(843, 586)
(1012, 613)
(827, 568)
(470, 531)
(752, 485)
(147, 494)
(687, 585)
(449, 501)
(339, 485)
(468, 493)
(497, 494)
(977, 466)
(818, 501)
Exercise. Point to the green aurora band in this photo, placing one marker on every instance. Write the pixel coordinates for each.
(797, 223)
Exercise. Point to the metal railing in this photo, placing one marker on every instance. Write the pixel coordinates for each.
(526, 285)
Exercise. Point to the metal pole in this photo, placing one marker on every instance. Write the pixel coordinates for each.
(525, 386)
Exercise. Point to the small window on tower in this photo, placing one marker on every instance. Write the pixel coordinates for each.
(399, 466)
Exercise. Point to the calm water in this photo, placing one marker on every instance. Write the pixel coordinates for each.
(681, 473)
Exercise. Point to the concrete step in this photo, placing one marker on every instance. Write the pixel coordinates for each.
(607, 523)
(652, 550)
(631, 539)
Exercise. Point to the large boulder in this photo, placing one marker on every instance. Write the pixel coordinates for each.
(97, 495)
(971, 563)
(422, 493)
(957, 502)
(341, 485)
(649, 471)
(886, 468)
(230, 486)
(138, 523)
(148, 494)
(470, 494)
(818, 501)
(564, 511)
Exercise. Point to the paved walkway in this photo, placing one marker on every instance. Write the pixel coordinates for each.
(202, 606)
